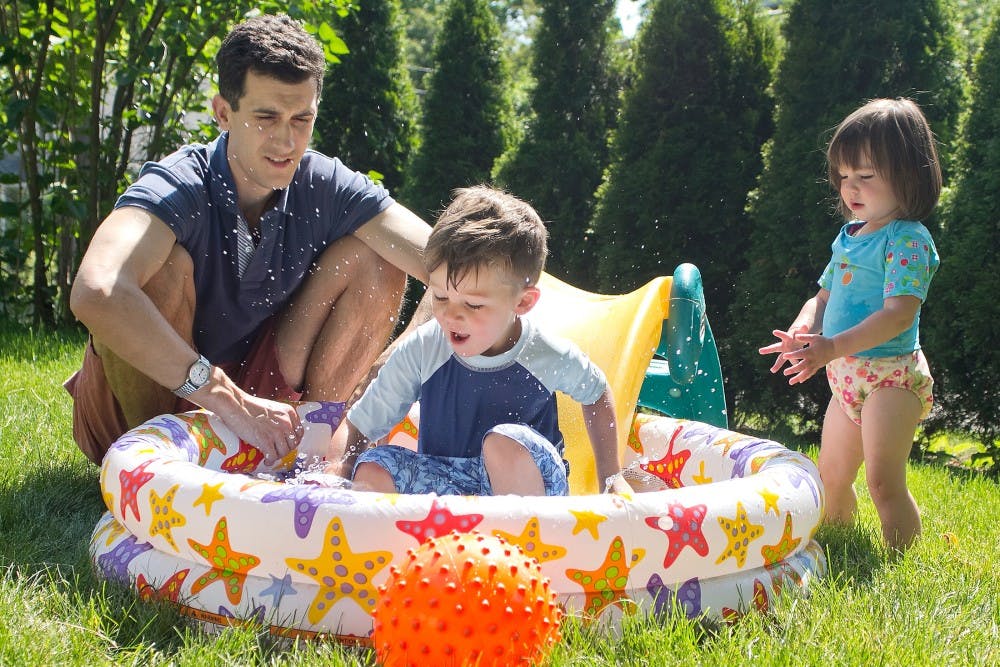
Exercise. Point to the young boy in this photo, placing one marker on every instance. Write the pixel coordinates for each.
(485, 376)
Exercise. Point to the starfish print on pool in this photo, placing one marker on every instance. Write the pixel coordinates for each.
(228, 565)
(131, 481)
(740, 533)
(606, 585)
(760, 601)
(340, 573)
(634, 441)
(687, 595)
(244, 461)
(439, 521)
(530, 541)
(684, 530)
(669, 467)
(210, 494)
(180, 436)
(773, 553)
(307, 499)
(589, 521)
(279, 589)
(201, 430)
(328, 412)
(170, 590)
(114, 564)
(164, 517)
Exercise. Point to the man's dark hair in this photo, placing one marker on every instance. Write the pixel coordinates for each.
(270, 45)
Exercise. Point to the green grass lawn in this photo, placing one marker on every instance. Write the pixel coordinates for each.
(938, 605)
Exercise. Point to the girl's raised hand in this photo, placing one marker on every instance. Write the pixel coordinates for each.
(788, 341)
(813, 353)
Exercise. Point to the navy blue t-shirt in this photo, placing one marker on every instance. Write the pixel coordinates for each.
(193, 192)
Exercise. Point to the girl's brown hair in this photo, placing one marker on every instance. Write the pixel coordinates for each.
(895, 138)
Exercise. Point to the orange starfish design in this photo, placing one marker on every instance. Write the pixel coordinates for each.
(773, 553)
(203, 434)
(227, 565)
(606, 585)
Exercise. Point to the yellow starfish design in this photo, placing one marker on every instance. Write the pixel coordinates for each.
(773, 553)
(227, 565)
(164, 518)
(606, 585)
(340, 572)
(770, 501)
(740, 533)
(530, 541)
(701, 477)
(587, 520)
(209, 495)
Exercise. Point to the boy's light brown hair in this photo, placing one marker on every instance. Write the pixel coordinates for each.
(895, 138)
(486, 227)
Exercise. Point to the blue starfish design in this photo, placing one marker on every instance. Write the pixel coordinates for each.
(278, 589)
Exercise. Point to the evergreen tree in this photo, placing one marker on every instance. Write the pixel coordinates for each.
(558, 165)
(837, 57)
(962, 311)
(369, 110)
(687, 149)
(467, 114)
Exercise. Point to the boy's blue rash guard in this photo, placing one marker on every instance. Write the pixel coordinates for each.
(462, 398)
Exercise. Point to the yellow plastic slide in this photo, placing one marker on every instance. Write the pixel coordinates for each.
(620, 334)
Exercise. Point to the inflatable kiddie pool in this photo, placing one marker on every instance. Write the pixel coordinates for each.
(720, 523)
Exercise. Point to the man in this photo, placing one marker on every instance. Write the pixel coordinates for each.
(245, 270)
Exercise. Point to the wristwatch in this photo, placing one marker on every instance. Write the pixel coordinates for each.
(197, 377)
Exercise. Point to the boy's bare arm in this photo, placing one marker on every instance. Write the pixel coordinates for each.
(602, 428)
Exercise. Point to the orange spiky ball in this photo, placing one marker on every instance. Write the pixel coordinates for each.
(465, 599)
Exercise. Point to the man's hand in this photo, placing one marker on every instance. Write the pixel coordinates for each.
(272, 427)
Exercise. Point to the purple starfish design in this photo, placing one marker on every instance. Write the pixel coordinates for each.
(180, 434)
(113, 565)
(687, 595)
(327, 413)
(255, 616)
(307, 499)
(798, 477)
(743, 456)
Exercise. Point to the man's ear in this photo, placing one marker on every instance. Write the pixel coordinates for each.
(529, 297)
(221, 110)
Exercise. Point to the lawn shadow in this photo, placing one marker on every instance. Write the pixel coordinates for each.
(47, 516)
(854, 554)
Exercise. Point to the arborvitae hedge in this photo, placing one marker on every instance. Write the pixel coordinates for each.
(837, 56)
(687, 149)
(467, 114)
(558, 165)
(368, 116)
(962, 315)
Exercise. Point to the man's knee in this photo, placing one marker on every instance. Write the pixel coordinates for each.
(172, 291)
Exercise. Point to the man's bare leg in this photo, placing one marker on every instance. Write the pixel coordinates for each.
(172, 291)
(339, 321)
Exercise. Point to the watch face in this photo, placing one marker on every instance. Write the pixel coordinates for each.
(199, 373)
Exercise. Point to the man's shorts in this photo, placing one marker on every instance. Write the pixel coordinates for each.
(466, 476)
(97, 416)
(853, 379)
